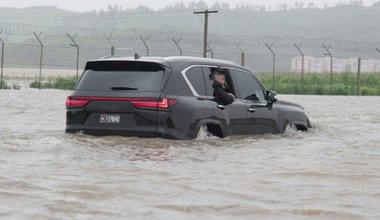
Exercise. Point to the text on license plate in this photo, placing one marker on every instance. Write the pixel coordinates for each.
(115, 119)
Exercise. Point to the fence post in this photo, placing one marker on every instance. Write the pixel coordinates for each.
(177, 44)
(112, 47)
(41, 56)
(209, 49)
(77, 46)
(302, 67)
(274, 65)
(146, 46)
(331, 65)
(2, 62)
(358, 81)
(242, 55)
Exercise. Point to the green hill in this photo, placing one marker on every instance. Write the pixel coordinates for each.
(344, 21)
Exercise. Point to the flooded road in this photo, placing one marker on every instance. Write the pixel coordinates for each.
(331, 172)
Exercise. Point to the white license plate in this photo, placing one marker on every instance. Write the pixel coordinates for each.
(112, 119)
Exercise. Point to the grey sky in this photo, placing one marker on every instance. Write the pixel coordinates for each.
(88, 5)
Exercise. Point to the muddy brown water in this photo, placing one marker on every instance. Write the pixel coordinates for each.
(331, 172)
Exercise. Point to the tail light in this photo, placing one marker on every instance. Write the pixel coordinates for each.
(143, 103)
(154, 104)
(73, 102)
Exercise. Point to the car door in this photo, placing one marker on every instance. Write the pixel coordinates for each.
(232, 116)
(261, 118)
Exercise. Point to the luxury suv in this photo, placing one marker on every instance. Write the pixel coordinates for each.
(172, 98)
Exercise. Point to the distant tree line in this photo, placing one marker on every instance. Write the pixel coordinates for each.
(115, 9)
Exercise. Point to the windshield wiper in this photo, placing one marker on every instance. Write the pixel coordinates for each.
(123, 88)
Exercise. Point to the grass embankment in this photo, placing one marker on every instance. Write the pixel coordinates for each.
(285, 83)
(64, 83)
(319, 84)
(4, 85)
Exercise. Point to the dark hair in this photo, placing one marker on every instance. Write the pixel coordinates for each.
(220, 70)
(217, 70)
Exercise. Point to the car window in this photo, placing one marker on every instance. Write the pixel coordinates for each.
(248, 87)
(145, 81)
(206, 75)
(195, 77)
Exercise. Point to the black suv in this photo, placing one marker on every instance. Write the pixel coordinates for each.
(173, 98)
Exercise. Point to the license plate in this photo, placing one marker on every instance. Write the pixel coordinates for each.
(112, 119)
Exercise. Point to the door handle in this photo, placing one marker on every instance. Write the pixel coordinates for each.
(221, 106)
(250, 109)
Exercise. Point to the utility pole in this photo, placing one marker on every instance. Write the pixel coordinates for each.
(206, 12)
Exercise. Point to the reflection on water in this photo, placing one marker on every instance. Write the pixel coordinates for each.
(331, 172)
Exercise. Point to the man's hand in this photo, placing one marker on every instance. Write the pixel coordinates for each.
(219, 78)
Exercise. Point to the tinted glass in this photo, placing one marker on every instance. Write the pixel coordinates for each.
(248, 87)
(146, 81)
(206, 74)
(195, 76)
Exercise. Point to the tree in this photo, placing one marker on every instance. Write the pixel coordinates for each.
(225, 6)
(311, 5)
(216, 6)
(198, 5)
(282, 7)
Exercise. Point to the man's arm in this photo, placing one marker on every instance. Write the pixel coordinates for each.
(222, 95)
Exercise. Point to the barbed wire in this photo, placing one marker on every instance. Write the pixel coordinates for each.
(26, 30)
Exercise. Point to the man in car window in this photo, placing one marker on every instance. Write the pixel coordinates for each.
(221, 93)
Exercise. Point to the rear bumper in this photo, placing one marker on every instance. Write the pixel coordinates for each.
(105, 132)
(161, 133)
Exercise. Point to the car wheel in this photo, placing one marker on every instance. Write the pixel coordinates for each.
(290, 128)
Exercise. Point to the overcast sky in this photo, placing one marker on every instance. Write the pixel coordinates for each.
(88, 5)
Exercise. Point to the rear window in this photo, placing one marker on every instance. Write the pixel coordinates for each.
(110, 78)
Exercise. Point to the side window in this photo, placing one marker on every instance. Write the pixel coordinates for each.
(206, 74)
(248, 87)
(196, 78)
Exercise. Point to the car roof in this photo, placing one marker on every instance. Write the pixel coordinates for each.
(169, 61)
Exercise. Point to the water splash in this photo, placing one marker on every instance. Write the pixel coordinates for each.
(204, 134)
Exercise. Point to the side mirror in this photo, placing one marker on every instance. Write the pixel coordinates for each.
(271, 97)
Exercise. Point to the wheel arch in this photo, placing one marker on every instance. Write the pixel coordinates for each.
(298, 118)
(215, 127)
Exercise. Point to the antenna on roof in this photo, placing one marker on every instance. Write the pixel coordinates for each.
(137, 56)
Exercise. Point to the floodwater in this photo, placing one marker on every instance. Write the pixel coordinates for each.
(331, 172)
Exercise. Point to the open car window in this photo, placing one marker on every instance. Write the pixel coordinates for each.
(227, 85)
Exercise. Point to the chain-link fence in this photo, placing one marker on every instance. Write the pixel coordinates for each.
(45, 48)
